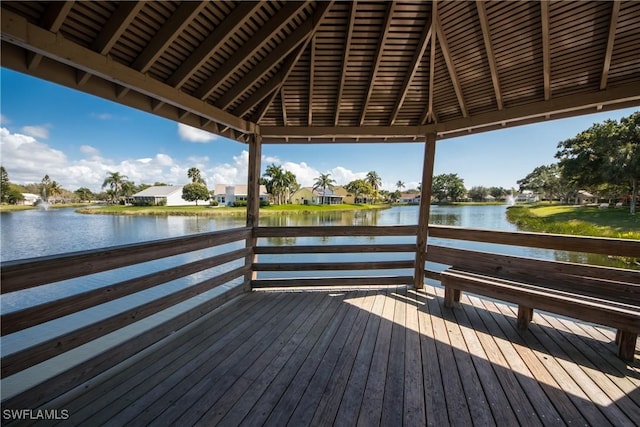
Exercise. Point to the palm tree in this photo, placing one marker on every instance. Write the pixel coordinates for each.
(324, 181)
(46, 182)
(54, 190)
(374, 180)
(194, 175)
(400, 185)
(277, 183)
(114, 181)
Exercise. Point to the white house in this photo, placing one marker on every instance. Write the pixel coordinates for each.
(226, 194)
(30, 199)
(412, 198)
(169, 195)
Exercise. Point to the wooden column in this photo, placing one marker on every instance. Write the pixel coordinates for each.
(425, 205)
(253, 199)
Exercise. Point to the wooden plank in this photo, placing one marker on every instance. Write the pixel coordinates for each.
(212, 379)
(132, 378)
(172, 379)
(75, 376)
(332, 266)
(359, 230)
(596, 245)
(414, 407)
(328, 383)
(332, 281)
(435, 399)
(393, 401)
(456, 402)
(348, 407)
(372, 401)
(269, 378)
(22, 359)
(24, 274)
(299, 366)
(35, 315)
(334, 249)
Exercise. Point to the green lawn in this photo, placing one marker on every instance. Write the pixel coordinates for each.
(577, 220)
(206, 210)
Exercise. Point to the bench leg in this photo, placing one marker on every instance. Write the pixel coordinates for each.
(626, 344)
(451, 296)
(525, 314)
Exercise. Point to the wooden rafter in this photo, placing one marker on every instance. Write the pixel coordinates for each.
(236, 19)
(428, 115)
(52, 20)
(261, 38)
(283, 104)
(117, 24)
(378, 59)
(273, 85)
(486, 36)
(345, 59)
(299, 37)
(312, 62)
(170, 31)
(615, 10)
(413, 68)
(446, 53)
(546, 48)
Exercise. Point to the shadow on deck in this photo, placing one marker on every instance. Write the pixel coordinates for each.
(367, 357)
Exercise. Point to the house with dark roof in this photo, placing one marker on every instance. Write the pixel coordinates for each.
(166, 195)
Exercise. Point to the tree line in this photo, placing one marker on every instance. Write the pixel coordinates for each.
(603, 160)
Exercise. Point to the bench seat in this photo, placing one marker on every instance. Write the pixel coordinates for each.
(622, 314)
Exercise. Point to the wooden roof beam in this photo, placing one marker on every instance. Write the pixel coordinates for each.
(378, 58)
(428, 115)
(444, 47)
(261, 38)
(615, 10)
(312, 62)
(345, 58)
(281, 76)
(413, 68)
(117, 24)
(236, 19)
(546, 49)
(486, 36)
(51, 20)
(273, 85)
(16, 30)
(170, 31)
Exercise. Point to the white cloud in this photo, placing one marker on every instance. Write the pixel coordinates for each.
(41, 132)
(4, 120)
(27, 160)
(229, 173)
(102, 116)
(192, 134)
(89, 151)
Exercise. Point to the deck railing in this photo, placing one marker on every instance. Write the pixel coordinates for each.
(348, 256)
(185, 268)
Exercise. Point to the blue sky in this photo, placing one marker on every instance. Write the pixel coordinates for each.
(77, 139)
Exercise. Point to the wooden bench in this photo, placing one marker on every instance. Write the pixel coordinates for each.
(609, 297)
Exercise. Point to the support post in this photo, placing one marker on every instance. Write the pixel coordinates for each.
(253, 201)
(425, 205)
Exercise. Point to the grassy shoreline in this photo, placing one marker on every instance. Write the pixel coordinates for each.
(576, 220)
(223, 210)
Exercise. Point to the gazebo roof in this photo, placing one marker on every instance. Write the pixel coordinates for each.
(323, 71)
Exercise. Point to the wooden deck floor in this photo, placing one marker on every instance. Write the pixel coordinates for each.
(387, 357)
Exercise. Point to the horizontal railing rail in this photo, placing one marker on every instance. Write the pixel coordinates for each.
(205, 271)
(282, 254)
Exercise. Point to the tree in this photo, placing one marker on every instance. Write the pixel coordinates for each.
(627, 156)
(54, 190)
(44, 187)
(546, 180)
(324, 181)
(114, 181)
(195, 191)
(195, 176)
(279, 183)
(14, 195)
(498, 192)
(447, 187)
(4, 184)
(358, 187)
(478, 193)
(400, 185)
(375, 182)
(84, 194)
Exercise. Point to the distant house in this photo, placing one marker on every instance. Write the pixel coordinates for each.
(411, 198)
(584, 197)
(167, 195)
(309, 196)
(527, 196)
(227, 195)
(29, 199)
